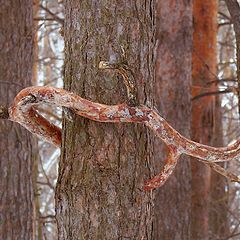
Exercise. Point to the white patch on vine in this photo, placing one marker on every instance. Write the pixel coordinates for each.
(139, 112)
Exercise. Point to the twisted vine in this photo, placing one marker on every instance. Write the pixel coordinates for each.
(23, 111)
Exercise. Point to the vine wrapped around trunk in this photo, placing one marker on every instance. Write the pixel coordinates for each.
(24, 112)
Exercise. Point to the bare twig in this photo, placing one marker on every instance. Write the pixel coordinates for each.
(234, 10)
(224, 16)
(43, 19)
(46, 176)
(206, 94)
(217, 81)
(224, 24)
(48, 216)
(54, 16)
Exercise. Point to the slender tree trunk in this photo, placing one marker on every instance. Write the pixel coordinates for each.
(173, 100)
(103, 166)
(218, 212)
(38, 224)
(16, 145)
(203, 110)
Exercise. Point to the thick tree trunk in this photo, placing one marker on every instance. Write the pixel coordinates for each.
(16, 145)
(103, 166)
(173, 100)
(203, 110)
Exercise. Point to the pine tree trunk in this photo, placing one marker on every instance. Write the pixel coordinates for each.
(203, 110)
(103, 166)
(16, 144)
(219, 208)
(173, 100)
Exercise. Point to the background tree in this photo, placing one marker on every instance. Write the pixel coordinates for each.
(16, 145)
(48, 71)
(172, 97)
(205, 124)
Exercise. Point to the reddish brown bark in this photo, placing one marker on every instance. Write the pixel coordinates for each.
(219, 205)
(204, 69)
(103, 166)
(16, 145)
(172, 99)
(234, 10)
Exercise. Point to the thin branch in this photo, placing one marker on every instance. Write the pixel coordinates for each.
(234, 10)
(217, 81)
(224, 24)
(46, 176)
(48, 58)
(224, 15)
(43, 19)
(56, 18)
(233, 235)
(222, 171)
(205, 64)
(48, 216)
(206, 94)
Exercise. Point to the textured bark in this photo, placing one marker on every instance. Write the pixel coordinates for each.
(37, 225)
(218, 209)
(16, 158)
(103, 165)
(234, 10)
(172, 98)
(204, 69)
